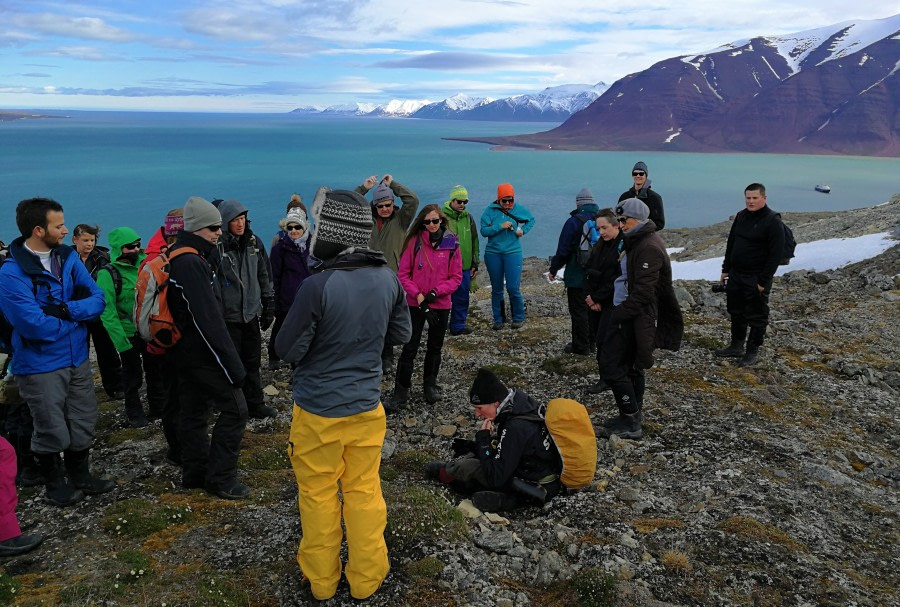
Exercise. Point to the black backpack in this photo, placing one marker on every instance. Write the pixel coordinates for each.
(583, 238)
(790, 243)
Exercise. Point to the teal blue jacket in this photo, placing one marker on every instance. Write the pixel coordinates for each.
(500, 241)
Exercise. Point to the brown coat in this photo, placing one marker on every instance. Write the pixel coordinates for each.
(651, 305)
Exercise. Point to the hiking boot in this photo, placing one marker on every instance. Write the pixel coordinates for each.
(607, 423)
(261, 412)
(78, 468)
(735, 350)
(432, 394)
(59, 491)
(463, 331)
(20, 544)
(135, 414)
(494, 501)
(497, 326)
(599, 387)
(237, 491)
(624, 426)
(516, 324)
(399, 397)
(535, 493)
(433, 470)
(751, 357)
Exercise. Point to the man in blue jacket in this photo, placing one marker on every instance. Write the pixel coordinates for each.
(47, 295)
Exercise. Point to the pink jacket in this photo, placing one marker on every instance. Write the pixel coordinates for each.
(423, 268)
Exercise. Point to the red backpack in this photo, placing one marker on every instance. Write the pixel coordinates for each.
(152, 315)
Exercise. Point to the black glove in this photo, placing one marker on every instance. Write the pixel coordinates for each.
(462, 446)
(57, 310)
(266, 317)
(425, 306)
(430, 296)
(80, 292)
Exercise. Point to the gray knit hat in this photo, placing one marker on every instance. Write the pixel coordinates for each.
(640, 166)
(584, 197)
(382, 192)
(199, 213)
(343, 220)
(298, 216)
(632, 207)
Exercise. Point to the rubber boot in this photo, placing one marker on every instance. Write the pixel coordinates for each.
(29, 472)
(535, 493)
(78, 467)
(59, 491)
(736, 348)
(432, 394)
(20, 544)
(398, 399)
(135, 414)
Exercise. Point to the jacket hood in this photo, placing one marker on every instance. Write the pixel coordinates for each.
(352, 259)
(29, 262)
(119, 237)
(229, 210)
(584, 209)
(451, 212)
(520, 404)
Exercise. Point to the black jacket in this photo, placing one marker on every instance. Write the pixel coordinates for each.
(602, 269)
(653, 201)
(651, 305)
(195, 299)
(755, 245)
(523, 449)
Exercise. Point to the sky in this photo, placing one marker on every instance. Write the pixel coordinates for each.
(276, 55)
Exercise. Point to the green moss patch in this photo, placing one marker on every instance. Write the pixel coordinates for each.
(416, 515)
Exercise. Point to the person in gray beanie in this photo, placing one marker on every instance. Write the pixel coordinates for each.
(640, 174)
(343, 316)
(574, 237)
(210, 370)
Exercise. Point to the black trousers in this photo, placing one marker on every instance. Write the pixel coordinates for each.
(209, 461)
(601, 321)
(618, 369)
(108, 362)
(136, 363)
(747, 307)
(276, 327)
(248, 342)
(437, 328)
(581, 324)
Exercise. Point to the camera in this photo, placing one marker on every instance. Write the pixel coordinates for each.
(719, 287)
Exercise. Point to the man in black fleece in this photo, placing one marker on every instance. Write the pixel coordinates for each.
(519, 460)
(210, 371)
(755, 246)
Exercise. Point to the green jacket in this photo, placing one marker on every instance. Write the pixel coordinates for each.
(463, 225)
(388, 235)
(118, 315)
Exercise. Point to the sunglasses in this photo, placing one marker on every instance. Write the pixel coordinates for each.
(621, 219)
(384, 205)
(638, 173)
(131, 245)
(214, 228)
(294, 228)
(461, 200)
(507, 200)
(431, 221)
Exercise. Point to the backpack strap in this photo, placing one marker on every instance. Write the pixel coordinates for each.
(115, 275)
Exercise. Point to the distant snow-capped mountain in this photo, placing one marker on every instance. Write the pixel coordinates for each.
(553, 104)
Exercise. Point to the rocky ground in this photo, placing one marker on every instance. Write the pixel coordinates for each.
(773, 485)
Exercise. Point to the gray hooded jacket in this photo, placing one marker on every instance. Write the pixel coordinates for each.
(244, 273)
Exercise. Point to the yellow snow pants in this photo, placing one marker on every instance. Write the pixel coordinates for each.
(323, 452)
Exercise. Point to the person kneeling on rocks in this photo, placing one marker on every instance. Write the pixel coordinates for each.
(519, 462)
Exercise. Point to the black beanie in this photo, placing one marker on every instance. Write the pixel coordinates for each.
(487, 389)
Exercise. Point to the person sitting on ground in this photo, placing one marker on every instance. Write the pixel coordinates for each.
(290, 267)
(430, 271)
(519, 461)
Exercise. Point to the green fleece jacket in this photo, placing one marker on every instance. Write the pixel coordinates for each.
(463, 225)
(118, 315)
(388, 235)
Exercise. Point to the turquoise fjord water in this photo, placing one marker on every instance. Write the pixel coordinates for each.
(118, 168)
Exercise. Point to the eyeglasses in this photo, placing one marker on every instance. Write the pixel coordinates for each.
(638, 173)
(214, 228)
(461, 200)
(621, 219)
(294, 228)
(431, 221)
(384, 205)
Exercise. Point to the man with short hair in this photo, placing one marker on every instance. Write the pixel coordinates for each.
(48, 295)
(584, 330)
(519, 460)
(754, 250)
(341, 319)
(645, 316)
(248, 297)
(640, 174)
(461, 223)
(210, 371)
